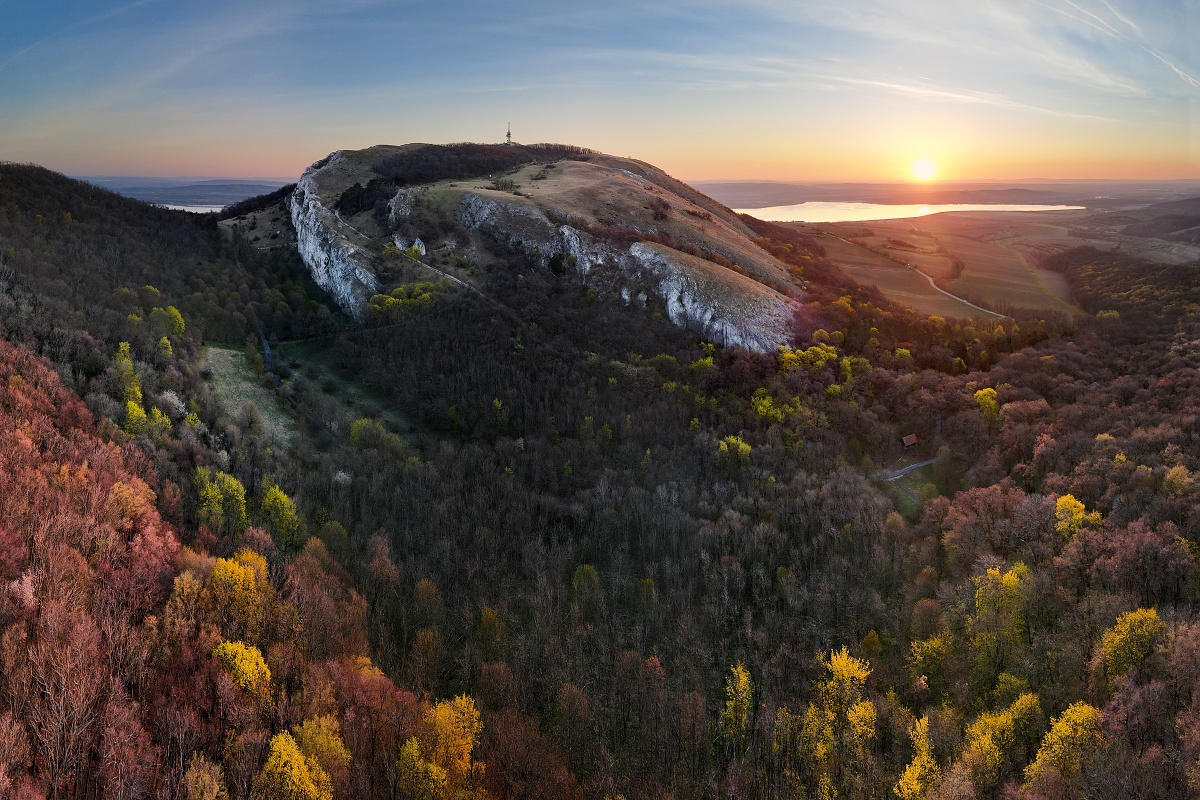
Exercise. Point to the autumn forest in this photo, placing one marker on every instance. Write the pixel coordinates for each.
(572, 551)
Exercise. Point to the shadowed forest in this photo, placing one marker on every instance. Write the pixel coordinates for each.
(601, 559)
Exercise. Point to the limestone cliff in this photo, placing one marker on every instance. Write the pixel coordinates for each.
(700, 300)
(325, 241)
(624, 228)
(715, 303)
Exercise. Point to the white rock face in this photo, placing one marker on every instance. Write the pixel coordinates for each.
(404, 244)
(721, 306)
(336, 263)
(518, 226)
(753, 316)
(758, 321)
(401, 205)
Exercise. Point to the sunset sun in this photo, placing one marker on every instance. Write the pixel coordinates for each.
(923, 169)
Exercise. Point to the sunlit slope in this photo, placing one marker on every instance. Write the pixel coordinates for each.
(620, 225)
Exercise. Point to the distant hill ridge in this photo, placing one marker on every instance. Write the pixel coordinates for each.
(762, 194)
(1188, 206)
(185, 191)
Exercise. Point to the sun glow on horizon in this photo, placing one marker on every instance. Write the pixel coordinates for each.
(924, 169)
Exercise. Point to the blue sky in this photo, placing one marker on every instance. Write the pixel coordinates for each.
(807, 90)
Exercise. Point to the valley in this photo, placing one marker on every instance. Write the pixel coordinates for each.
(600, 401)
(993, 259)
(603, 439)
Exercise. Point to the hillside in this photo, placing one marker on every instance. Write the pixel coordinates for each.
(555, 207)
(1188, 206)
(519, 537)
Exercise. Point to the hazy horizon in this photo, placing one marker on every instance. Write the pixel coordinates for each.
(947, 184)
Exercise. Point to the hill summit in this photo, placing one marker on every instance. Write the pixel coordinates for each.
(623, 227)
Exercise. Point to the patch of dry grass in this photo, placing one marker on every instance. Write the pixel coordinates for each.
(897, 282)
(235, 384)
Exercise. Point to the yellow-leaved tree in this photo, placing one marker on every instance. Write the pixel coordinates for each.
(437, 764)
(222, 501)
(1074, 739)
(131, 384)
(417, 778)
(247, 669)
(453, 729)
(290, 775)
(1070, 515)
(279, 515)
(922, 773)
(241, 594)
(996, 739)
(1127, 643)
(738, 715)
(320, 739)
(839, 727)
(998, 624)
(989, 407)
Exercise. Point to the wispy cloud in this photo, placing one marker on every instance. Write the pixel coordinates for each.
(998, 69)
(77, 25)
(973, 98)
(1124, 19)
(1088, 18)
(1042, 41)
(1185, 77)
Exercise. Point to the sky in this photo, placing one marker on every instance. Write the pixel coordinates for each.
(817, 90)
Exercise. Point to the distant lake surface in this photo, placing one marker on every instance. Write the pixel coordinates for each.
(862, 212)
(193, 209)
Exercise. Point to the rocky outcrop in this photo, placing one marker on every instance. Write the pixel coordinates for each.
(720, 304)
(401, 205)
(519, 227)
(337, 264)
(715, 303)
(702, 300)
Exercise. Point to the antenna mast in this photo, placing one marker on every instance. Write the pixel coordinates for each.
(508, 138)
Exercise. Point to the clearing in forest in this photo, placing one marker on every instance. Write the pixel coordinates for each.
(235, 384)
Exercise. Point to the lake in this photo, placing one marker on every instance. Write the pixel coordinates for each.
(193, 209)
(861, 212)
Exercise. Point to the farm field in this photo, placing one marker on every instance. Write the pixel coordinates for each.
(1000, 278)
(1034, 235)
(901, 240)
(999, 254)
(899, 283)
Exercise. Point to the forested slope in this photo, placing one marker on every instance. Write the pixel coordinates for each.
(604, 559)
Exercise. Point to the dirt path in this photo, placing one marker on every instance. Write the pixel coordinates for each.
(469, 287)
(932, 284)
(900, 473)
(956, 297)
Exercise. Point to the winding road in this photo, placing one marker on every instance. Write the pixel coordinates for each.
(926, 277)
(956, 297)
